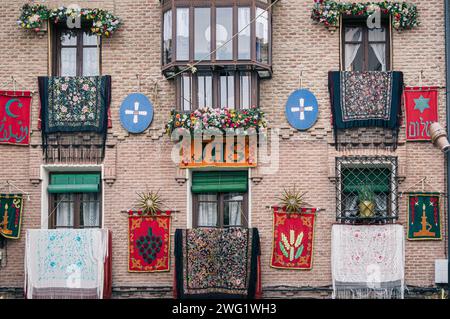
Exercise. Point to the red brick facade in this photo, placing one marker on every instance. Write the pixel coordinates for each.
(136, 162)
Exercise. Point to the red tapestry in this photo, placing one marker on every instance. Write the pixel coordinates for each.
(149, 242)
(293, 239)
(421, 111)
(15, 117)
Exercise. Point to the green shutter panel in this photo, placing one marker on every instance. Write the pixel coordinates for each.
(74, 183)
(354, 178)
(219, 181)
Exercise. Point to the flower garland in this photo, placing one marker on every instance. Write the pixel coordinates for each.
(102, 22)
(223, 119)
(404, 15)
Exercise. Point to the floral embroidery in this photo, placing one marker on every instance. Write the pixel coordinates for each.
(366, 95)
(74, 102)
(217, 260)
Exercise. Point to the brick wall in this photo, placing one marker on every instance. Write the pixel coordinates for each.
(143, 161)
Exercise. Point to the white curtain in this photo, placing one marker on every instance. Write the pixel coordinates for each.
(244, 36)
(182, 34)
(207, 210)
(380, 52)
(64, 210)
(91, 211)
(235, 213)
(351, 50)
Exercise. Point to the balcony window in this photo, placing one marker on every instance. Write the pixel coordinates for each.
(217, 33)
(219, 89)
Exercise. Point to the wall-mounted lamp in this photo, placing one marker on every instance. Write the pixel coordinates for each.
(439, 137)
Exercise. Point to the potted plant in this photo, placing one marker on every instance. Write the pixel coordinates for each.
(366, 198)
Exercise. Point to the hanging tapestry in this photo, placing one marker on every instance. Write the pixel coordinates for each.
(15, 113)
(293, 239)
(149, 243)
(216, 263)
(74, 104)
(421, 111)
(11, 208)
(368, 261)
(65, 263)
(424, 220)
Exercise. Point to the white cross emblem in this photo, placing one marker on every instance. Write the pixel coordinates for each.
(136, 112)
(302, 109)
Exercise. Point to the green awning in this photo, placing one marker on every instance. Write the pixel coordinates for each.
(219, 181)
(379, 179)
(74, 183)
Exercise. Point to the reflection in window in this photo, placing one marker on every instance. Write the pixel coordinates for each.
(262, 36)
(183, 34)
(204, 91)
(65, 210)
(224, 32)
(244, 37)
(232, 210)
(202, 33)
(226, 87)
(167, 37)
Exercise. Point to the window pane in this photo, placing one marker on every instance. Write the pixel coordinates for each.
(224, 32)
(233, 209)
(377, 57)
(353, 34)
(182, 34)
(377, 34)
(90, 210)
(246, 90)
(207, 210)
(68, 62)
(226, 88)
(186, 101)
(204, 91)
(167, 44)
(90, 62)
(67, 39)
(244, 36)
(202, 26)
(89, 39)
(64, 210)
(262, 36)
(353, 57)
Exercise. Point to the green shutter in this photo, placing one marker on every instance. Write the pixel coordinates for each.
(378, 178)
(74, 183)
(219, 181)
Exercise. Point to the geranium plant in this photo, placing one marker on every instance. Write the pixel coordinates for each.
(219, 118)
(404, 15)
(100, 22)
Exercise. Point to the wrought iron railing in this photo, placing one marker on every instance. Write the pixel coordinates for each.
(367, 189)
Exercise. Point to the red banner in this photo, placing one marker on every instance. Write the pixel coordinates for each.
(293, 239)
(15, 117)
(421, 111)
(149, 242)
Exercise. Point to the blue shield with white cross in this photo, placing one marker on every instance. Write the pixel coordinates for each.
(302, 109)
(136, 113)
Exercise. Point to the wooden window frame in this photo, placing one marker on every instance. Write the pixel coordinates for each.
(76, 213)
(235, 62)
(350, 21)
(220, 210)
(216, 97)
(57, 46)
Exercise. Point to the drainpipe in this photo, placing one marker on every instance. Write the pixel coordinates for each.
(447, 155)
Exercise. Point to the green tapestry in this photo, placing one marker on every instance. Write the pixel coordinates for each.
(11, 207)
(424, 222)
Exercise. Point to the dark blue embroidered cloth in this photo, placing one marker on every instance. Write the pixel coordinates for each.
(75, 104)
(365, 99)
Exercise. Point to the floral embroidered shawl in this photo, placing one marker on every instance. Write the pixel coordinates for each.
(365, 99)
(213, 262)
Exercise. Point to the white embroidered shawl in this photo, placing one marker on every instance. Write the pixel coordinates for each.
(368, 261)
(70, 260)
